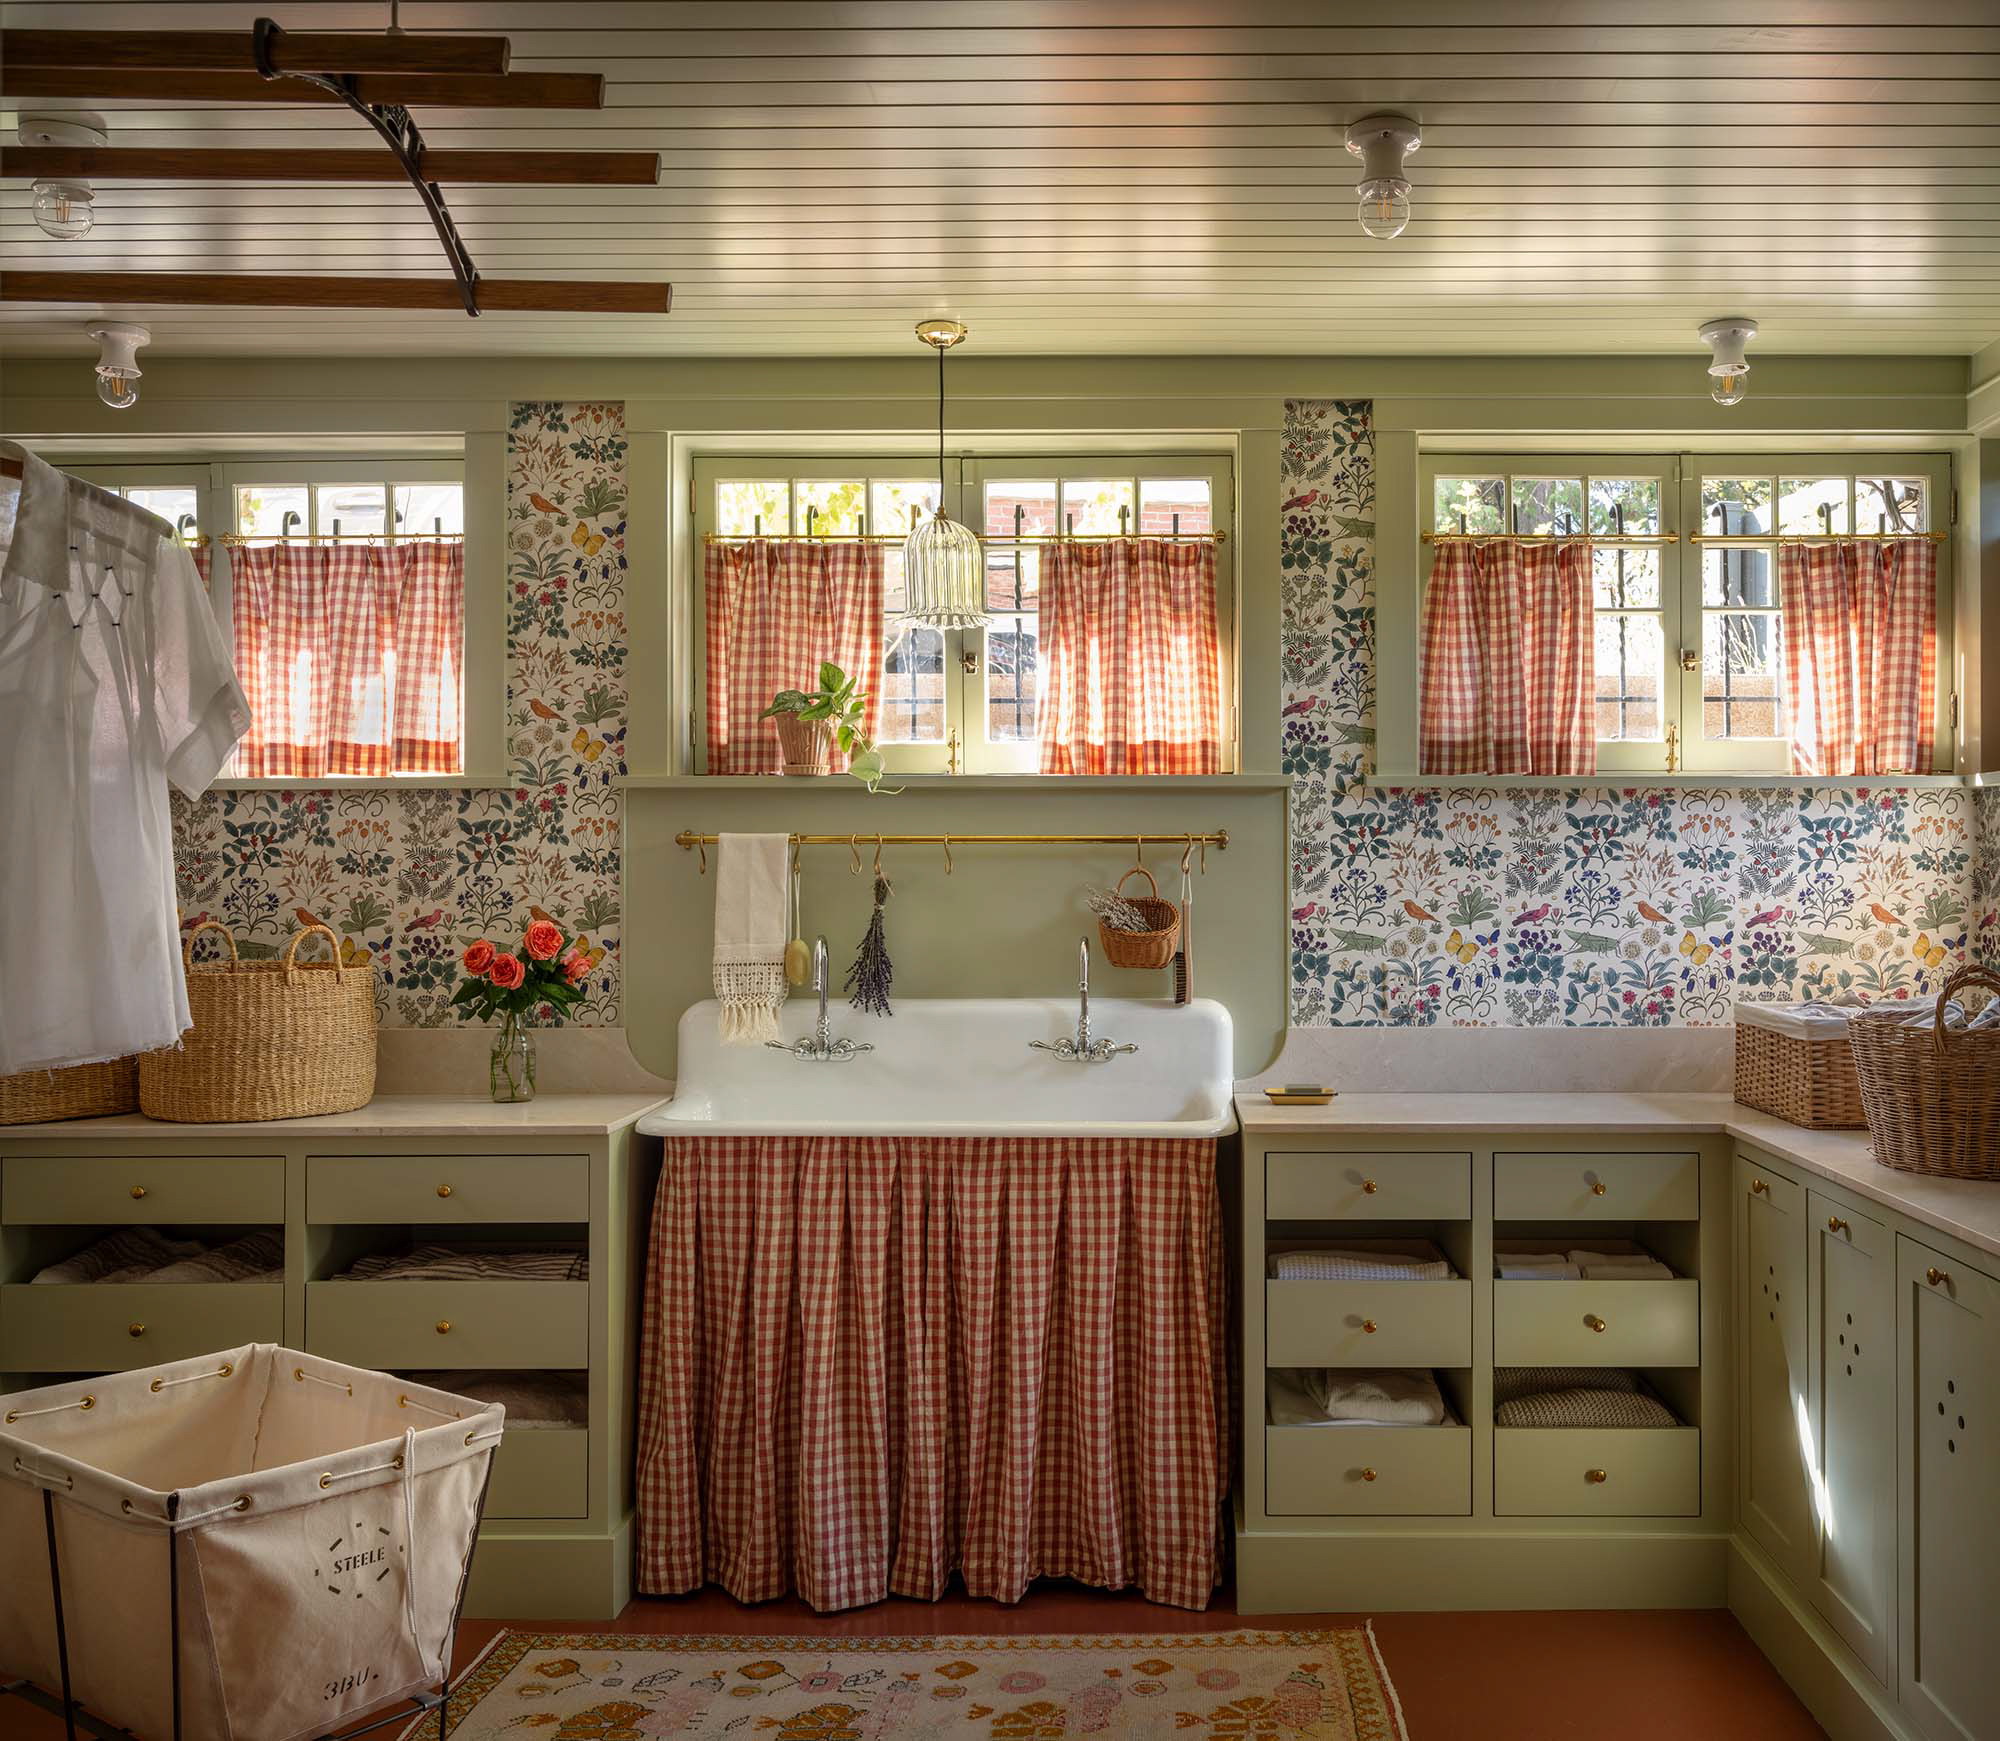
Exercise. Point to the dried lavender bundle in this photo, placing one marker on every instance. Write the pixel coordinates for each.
(869, 978)
(1117, 912)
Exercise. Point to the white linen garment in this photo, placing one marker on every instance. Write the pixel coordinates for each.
(114, 679)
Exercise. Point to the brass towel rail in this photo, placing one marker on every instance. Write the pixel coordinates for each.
(1218, 838)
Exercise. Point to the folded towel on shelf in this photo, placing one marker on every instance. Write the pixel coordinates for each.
(1585, 1408)
(1287, 1402)
(124, 1256)
(1512, 1382)
(1535, 1266)
(531, 1399)
(1357, 1266)
(1611, 1266)
(446, 1263)
(1385, 1397)
(256, 1257)
(749, 966)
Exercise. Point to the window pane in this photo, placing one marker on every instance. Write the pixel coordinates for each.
(1482, 501)
(1161, 500)
(1738, 577)
(1011, 578)
(1010, 679)
(912, 685)
(1627, 505)
(1630, 660)
(1091, 506)
(169, 501)
(896, 504)
(430, 508)
(262, 508)
(829, 505)
(1035, 497)
(350, 508)
(893, 596)
(1626, 578)
(1812, 505)
(1548, 504)
(1742, 689)
(1734, 505)
(1890, 505)
(744, 506)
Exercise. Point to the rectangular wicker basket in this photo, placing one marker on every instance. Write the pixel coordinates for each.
(1795, 1061)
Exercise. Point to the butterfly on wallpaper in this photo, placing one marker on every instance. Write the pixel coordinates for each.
(1929, 953)
(1694, 951)
(585, 745)
(352, 956)
(593, 955)
(589, 542)
(1459, 945)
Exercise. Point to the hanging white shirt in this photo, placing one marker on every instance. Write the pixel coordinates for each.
(114, 679)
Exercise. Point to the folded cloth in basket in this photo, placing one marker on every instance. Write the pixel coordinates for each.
(256, 1257)
(1387, 1397)
(446, 1263)
(1511, 1382)
(1357, 1266)
(128, 1255)
(531, 1399)
(1988, 1016)
(1585, 1408)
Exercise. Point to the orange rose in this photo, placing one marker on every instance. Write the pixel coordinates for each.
(507, 972)
(479, 957)
(543, 939)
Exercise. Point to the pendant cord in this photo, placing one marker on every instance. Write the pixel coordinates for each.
(940, 352)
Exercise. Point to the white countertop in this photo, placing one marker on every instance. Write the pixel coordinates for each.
(1968, 1209)
(386, 1115)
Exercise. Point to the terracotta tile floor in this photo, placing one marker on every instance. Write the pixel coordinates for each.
(1588, 1676)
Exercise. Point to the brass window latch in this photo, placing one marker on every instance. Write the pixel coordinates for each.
(1673, 748)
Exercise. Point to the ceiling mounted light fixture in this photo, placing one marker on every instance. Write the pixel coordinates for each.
(118, 368)
(1382, 142)
(63, 208)
(944, 572)
(1725, 339)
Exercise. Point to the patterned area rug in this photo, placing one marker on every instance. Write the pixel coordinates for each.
(1200, 1686)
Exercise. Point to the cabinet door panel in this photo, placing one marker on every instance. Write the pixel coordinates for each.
(1949, 1330)
(1854, 1412)
(1775, 1474)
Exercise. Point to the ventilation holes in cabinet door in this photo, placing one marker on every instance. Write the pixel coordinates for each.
(1951, 1388)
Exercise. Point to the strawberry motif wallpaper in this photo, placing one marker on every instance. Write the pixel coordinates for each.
(1579, 908)
(407, 878)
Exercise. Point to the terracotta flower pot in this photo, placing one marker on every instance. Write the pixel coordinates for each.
(805, 744)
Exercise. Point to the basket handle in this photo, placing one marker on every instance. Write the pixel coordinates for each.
(1139, 870)
(1966, 975)
(187, 943)
(301, 934)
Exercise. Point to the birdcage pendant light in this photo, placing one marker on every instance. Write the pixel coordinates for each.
(944, 572)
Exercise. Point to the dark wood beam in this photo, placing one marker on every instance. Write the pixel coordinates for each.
(274, 290)
(412, 90)
(149, 163)
(154, 51)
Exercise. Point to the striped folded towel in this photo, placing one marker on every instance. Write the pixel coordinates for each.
(1512, 1382)
(1357, 1266)
(531, 1399)
(256, 1257)
(1585, 1408)
(445, 1263)
(130, 1254)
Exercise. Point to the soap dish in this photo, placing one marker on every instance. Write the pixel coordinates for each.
(1299, 1094)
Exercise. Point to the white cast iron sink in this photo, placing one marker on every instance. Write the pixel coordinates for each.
(960, 1067)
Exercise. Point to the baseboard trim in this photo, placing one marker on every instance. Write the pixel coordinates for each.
(524, 1576)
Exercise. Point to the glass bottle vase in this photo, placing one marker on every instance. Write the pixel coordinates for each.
(511, 1068)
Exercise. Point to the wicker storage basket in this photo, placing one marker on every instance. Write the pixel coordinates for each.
(77, 1091)
(1932, 1092)
(271, 1039)
(1794, 1062)
(1153, 947)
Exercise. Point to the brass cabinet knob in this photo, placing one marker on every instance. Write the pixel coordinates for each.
(1368, 1475)
(1759, 1189)
(138, 1191)
(1597, 1187)
(1596, 1477)
(135, 1330)
(1834, 1224)
(1595, 1322)
(1938, 1278)
(444, 1190)
(1368, 1326)
(444, 1326)
(1369, 1187)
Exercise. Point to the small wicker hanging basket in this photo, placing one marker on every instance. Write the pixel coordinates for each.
(271, 1039)
(1152, 947)
(1932, 1093)
(75, 1091)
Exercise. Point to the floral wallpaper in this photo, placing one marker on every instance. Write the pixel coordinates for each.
(1579, 908)
(407, 878)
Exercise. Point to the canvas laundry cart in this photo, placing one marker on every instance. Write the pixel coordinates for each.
(256, 1545)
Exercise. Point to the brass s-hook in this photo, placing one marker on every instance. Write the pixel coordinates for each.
(1187, 856)
(854, 853)
(878, 855)
(701, 848)
(947, 855)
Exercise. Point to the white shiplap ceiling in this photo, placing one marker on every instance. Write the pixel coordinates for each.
(1098, 176)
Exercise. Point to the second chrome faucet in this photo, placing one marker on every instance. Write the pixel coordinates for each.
(819, 1046)
(1080, 1048)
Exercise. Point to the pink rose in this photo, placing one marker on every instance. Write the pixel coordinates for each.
(543, 939)
(507, 972)
(479, 957)
(576, 968)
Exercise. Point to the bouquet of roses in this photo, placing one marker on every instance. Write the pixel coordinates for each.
(545, 973)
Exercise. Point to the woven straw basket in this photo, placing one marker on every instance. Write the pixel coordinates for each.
(271, 1039)
(1932, 1093)
(76, 1091)
(1152, 947)
(1794, 1062)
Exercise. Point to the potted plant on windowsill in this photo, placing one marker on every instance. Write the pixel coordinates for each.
(812, 721)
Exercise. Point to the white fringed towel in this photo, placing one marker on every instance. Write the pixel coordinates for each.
(750, 934)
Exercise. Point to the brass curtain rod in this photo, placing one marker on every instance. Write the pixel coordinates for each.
(237, 538)
(1747, 540)
(1218, 838)
(1001, 539)
(1552, 537)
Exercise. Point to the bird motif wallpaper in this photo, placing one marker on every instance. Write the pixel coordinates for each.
(1581, 908)
(407, 878)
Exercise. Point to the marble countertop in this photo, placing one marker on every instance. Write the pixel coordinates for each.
(384, 1116)
(1968, 1209)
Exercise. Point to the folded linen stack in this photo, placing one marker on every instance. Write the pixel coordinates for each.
(1317, 1397)
(1536, 1266)
(1580, 1265)
(447, 1263)
(140, 1254)
(1575, 1396)
(531, 1399)
(1358, 1266)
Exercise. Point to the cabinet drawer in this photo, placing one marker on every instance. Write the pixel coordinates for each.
(541, 1472)
(1367, 1187)
(1594, 1187)
(1597, 1324)
(495, 1324)
(1367, 1471)
(1596, 1471)
(77, 1327)
(447, 1188)
(1328, 1324)
(159, 1190)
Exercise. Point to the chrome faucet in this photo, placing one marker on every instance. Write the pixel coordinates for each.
(821, 1047)
(1080, 1047)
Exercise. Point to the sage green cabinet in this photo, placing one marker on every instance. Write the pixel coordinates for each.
(109, 1327)
(142, 1190)
(1774, 1472)
(1604, 1186)
(445, 1190)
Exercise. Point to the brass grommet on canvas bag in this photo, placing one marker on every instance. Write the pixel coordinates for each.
(242, 1504)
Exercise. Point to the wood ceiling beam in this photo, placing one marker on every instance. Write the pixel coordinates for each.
(412, 90)
(274, 290)
(149, 163)
(156, 51)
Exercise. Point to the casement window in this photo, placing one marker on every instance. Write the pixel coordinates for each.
(1688, 612)
(968, 701)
